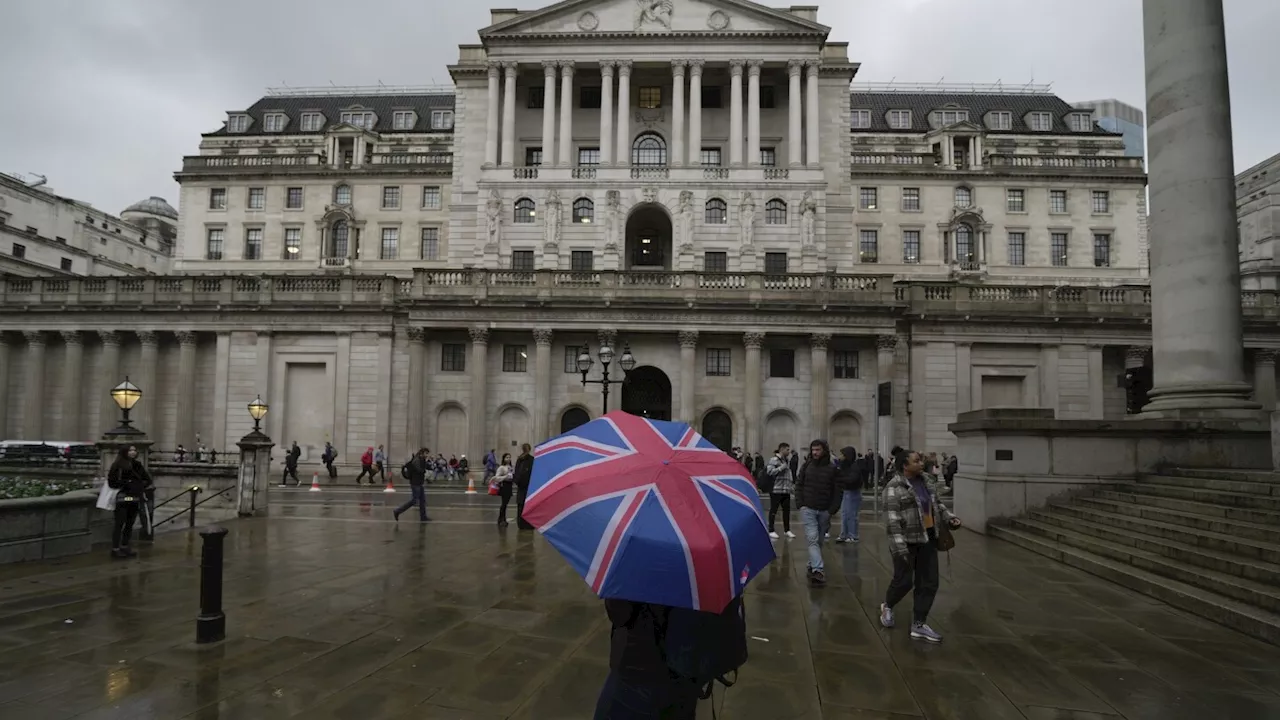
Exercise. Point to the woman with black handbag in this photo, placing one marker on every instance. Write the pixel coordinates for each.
(130, 478)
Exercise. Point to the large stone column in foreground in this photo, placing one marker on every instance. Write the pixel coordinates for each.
(1195, 279)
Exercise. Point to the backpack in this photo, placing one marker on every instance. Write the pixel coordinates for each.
(404, 469)
(703, 646)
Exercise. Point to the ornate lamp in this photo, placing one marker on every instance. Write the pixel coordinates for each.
(257, 411)
(126, 395)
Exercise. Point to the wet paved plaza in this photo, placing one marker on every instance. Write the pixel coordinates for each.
(335, 611)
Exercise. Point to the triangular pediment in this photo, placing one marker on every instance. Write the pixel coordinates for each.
(647, 17)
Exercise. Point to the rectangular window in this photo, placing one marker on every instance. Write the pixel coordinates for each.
(711, 99)
(391, 197)
(868, 198)
(782, 363)
(441, 119)
(900, 119)
(589, 97)
(1057, 201)
(581, 261)
(213, 244)
(844, 364)
(911, 199)
(532, 156)
(861, 119)
(522, 260)
(19, 250)
(257, 198)
(65, 264)
(515, 358)
(911, 246)
(775, 263)
(390, 249)
(292, 243)
(274, 122)
(1102, 249)
(711, 157)
(293, 198)
(768, 97)
(715, 261)
(537, 98)
(1017, 248)
(869, 246)
(1040, 121)
(217, 198)
(1001, 120)
(403, 120)
(588, 156)
(718, 362)
(1016, 200)
(571, 353)
(1101, 202)
(253, 244)
(768, 157)
(431, 197)
(238, 123)
(1058, 249)
(951, 117)
(453, 357)
(649, 97)
(312, 121)
(1081, 122)
(430, 247)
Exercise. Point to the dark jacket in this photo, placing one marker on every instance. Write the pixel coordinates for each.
(794, 460)
(131, 480)
(816, 483)
(417, 470)
(524, 471)
(291, 459)
(849, 474)
(633, 642)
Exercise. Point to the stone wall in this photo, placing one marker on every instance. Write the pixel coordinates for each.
(46, 527)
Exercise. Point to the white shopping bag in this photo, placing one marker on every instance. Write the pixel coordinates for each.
(107, 496)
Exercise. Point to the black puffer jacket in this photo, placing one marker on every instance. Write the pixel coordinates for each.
(816, 483)
(849, 474)
(132, 480)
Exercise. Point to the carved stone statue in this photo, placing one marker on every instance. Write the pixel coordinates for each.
(808, 219)
(553, 210)
(684, 218)
(612, 216)
(493, 222)
(747, 218)
(654, 12)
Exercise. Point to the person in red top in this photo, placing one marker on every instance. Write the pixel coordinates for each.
(366, 463)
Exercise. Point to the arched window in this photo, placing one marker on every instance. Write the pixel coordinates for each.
(775, 212)
(342, 195)
(717, 212)
(340, 236)
(572, 418)
(964, 197)
(584, 210)
(524, 210)
(964, 244)
(649, 149)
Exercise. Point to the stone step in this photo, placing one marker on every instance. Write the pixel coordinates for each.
(1225, 610)
(1227, 512)
(1250, 569)
(1263, 476)
(1204, 495)
(1256, 594)
(1184, 514)
(1232, 485)
(1180, 532)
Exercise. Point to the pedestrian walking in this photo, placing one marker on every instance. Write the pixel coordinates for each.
(490, 464)
(913, 512)
(415, 471)
(291, 464)
(817, 497)
(782, 476)
(128, 476)
(379, 464)
(523, 473)
(366, 466)
(504, 476)
(327, 457)
(849, 481)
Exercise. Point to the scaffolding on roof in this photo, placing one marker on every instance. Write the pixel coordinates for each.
(342, 90)
(997, 88)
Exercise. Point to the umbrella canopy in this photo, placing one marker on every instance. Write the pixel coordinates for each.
(649, 511)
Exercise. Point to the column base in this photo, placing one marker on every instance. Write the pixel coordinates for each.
(1195, 401)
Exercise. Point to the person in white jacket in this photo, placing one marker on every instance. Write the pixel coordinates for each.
(504, 476)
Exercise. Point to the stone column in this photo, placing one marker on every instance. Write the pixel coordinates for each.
(751, 412)
(477, 408)
(1097, 395)
(541, 383)
(964, 377)
(566, 116)
(146, 381)
(1264, 378)
(735, 113)
(34, 409)
(795, 110)
(4, 384)
(623, 158)
(688, 374)
(548, 111)
(753, 113)
(695, 113)
(677, 112)
(811, 131)
(1195, 274)
(509, 115)
(491, 122)
(818, 383)
(72, 384)
(417, 379)
(109, 377)
(185, 430)
(886, 346)
(606, 112)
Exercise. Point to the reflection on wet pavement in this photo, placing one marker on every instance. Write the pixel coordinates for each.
(336, 611)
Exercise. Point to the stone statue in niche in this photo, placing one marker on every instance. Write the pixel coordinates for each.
(684, 217)
(654, 12)
(747, 218)
(808, 219)
(554, 206)
(493, 220)
(613, 214)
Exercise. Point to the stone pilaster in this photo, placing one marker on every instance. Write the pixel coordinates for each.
(606, 112)
(695, 112)
(417, 386)
(508, 114)
(478, 408)
(149, 358)
(108, 377)
(688, 374)
(549, 68)
(566, 117)
(812, 141)
(33, 416)
(753, 113)
(678, 68)
(541, 383)
(753, 341)
(886, 348)
(818, 383)
(72, 383)
(795, 109)
(185, 424)
(492, 119)
(735, 113)
(623, 158)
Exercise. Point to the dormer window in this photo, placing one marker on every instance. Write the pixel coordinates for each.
(441, 119)
(358, 119)
(1000, 120)
(1081, 122)
(861, 119)
(312, 122)
(238, 123)
(404, 120)
(900, 119)
(1040, 121)
(275, 122)
(951, 117)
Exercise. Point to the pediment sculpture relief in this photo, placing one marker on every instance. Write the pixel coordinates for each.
(651, 14)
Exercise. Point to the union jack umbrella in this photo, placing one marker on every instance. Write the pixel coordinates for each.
(649, 511)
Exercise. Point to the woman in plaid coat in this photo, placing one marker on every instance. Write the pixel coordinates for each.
(913, 511)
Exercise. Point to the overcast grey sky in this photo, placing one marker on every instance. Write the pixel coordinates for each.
(106, 97)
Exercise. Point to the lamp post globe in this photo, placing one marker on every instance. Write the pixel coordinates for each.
(605, 354)
(125, 395)
(584, 361)
(627, 361)
(257, 411)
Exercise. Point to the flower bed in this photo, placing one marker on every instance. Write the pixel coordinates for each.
(19, 487)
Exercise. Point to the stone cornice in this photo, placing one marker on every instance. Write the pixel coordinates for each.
(648, 38)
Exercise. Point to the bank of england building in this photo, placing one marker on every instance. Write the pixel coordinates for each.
(694, 182)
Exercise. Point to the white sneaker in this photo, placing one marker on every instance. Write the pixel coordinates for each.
(773, 535)
(790, 534)
(827, 536)
(886, 615)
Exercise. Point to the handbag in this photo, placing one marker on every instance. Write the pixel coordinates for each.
(946, 538)
(493, 487)
(107, 496)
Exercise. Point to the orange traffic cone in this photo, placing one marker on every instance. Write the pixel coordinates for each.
(390, 488)
(471, 484)
(315, 482)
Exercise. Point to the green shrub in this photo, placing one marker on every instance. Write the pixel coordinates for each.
(18, 487)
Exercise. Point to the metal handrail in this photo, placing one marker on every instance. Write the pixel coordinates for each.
(191, 493)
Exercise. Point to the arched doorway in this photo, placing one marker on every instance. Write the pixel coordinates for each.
(647, 393)
(717, 427)
(781, 426)
(572, 418)
(451, 430)
(513, 430)
(649, 238)
(846, 431)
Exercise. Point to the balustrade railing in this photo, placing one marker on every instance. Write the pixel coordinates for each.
(524, 173)
(650, 173)
(584, 173)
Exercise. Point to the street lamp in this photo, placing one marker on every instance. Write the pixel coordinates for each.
(125, 395)
(257, 411)
(605, 354)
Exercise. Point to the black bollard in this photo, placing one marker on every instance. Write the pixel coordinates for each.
(211, 624)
